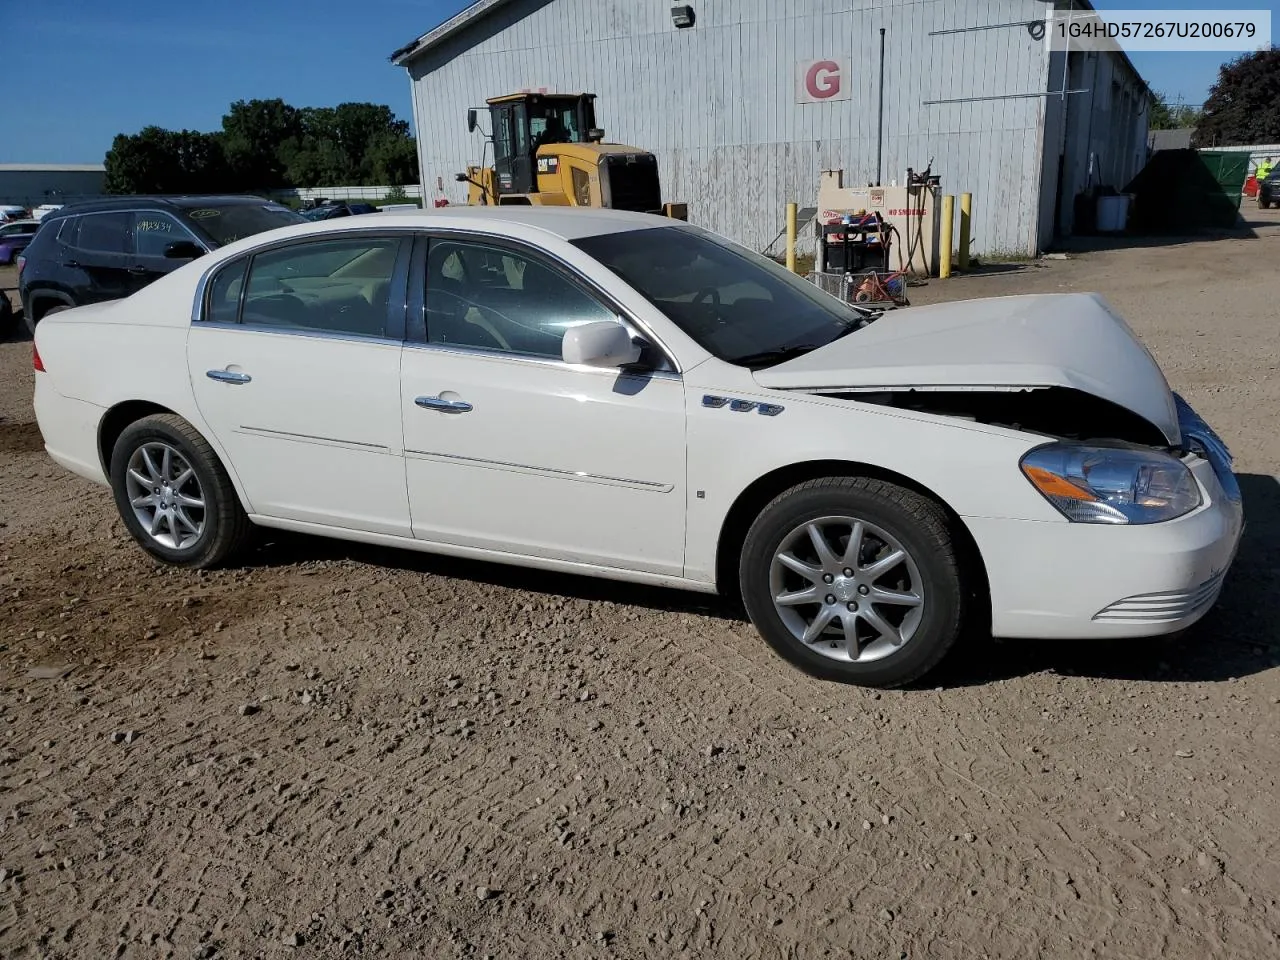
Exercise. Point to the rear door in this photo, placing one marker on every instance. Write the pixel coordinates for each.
(295, 366)
(96, 256)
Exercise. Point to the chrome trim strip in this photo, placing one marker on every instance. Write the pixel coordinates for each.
(492, 354)
(742, 406)
(292, 332)
(308, 438)
(646, 485)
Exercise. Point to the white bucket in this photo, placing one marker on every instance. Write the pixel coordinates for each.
(1113, 213)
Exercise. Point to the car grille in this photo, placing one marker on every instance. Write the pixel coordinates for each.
(1163, 607)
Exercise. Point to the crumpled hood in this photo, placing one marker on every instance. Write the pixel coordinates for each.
(1052, 340)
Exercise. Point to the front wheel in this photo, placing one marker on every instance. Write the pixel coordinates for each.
(854, 579)
(174, 495)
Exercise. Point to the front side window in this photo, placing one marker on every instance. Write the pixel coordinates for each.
(152, 232)
(737, 305)
(338, 286)
(493, 298)
(104, 232)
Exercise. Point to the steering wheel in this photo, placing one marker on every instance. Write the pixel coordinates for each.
(708, 293)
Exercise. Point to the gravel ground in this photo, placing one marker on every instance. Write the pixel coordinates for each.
(338, 750)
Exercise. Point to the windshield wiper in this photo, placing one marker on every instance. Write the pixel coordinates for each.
(767, 358)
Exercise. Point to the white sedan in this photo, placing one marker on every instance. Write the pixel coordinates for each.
(625, 396)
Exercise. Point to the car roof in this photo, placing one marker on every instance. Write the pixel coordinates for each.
(173, 202)
(564, 223)
(567, 223)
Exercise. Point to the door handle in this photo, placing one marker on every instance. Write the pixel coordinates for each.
(447, 406)
(137, 271)
(228, 376)
(71, 263)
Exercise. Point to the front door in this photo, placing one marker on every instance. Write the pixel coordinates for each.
(509, 449)
(152, 233)
(298, 379)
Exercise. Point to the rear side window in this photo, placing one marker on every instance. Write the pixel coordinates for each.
(224, 294)
(339, 286)
(104, 232)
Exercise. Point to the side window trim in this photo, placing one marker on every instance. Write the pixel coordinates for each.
(416, 335)
(397, 305)
(128, 234)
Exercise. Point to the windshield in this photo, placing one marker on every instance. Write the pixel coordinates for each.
(227, 223)
(738, 305)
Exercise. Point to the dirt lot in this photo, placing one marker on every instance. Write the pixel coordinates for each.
(461, 760)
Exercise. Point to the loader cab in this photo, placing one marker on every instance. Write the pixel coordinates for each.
(523, 122)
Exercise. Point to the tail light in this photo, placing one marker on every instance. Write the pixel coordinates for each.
(35, 359)
(22, 262)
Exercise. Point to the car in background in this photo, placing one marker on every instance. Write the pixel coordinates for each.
(1269, 191)
(107, 249)
(42, 211)
(339, 208)
(10, 213)
(627, 396)
(14, 237)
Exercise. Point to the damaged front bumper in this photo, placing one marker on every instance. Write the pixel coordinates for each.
(1085, 580)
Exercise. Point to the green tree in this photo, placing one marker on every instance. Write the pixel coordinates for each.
(253, 132)
(1244, 104)
(265, 144)
(156, 160)
(1171, 117)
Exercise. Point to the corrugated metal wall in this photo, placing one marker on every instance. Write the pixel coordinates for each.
(717, 103)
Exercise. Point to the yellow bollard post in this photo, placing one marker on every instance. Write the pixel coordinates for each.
(944, 239)
(791, 236)
(966, 225)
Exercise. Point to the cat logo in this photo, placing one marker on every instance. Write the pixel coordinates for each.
(548, 164)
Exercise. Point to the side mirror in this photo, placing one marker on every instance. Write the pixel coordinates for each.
(183, 250)
(602, 343)
(461, 178)
(473, 120)
(595, 135)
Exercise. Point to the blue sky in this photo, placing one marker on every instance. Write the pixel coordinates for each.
(80, 71)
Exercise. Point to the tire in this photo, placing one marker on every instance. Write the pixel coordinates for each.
(915, 636)
(186, 535)
(31, 320)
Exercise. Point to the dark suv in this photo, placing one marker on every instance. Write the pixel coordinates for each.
(108, 249)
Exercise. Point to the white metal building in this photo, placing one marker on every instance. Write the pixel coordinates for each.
(745, 106)
(32, 184)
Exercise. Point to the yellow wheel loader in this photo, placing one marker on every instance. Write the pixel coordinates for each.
(548, 152)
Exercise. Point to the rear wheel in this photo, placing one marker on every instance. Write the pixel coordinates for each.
(854, 579)
(32, 319)
(174, 495)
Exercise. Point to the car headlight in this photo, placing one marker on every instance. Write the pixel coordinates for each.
(1112, 485)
